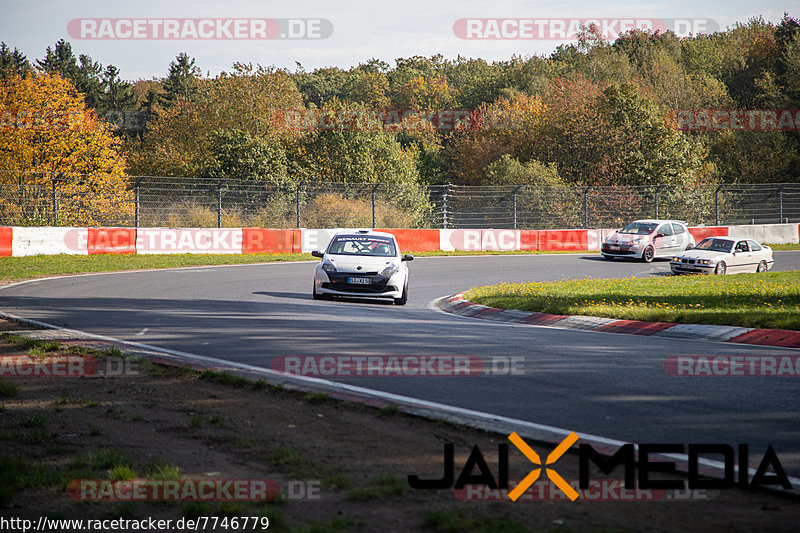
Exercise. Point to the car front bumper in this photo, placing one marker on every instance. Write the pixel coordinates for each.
(622, 250)
(687, 268)
(338, 284)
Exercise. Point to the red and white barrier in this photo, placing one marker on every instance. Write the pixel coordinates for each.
(49, 241)
(189, 241)
(23, 241)
(111, 241)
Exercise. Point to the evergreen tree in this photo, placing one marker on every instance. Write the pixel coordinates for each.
(181, 80)
(12, 62)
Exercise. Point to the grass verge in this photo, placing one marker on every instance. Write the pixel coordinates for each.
(770, 300)
(17, 268)
(14, 268)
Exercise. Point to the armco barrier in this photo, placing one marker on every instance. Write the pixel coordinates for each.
(261, 240)
(594, 239)
(701, 233)
(479, 240)
(563, 240)
(768, 233)
(6, 239)
(415, 240)
(529, 239)
(48, 241)
(111, 241)
(22, 241)
(317, 239)
(189, 241)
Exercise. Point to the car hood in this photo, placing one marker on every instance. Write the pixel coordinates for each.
(350, 263)
(703, 254)
(624, 238)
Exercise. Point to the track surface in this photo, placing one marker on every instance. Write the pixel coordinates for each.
(605, 384)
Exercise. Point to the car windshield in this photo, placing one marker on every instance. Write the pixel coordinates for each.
(370, 245)
(715, 245)
(639, 228)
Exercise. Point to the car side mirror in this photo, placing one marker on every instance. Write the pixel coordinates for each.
(689, 247)
(659, 234)
(317, 253)
(407, 257)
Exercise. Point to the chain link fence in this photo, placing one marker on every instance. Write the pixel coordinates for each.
(28, 198)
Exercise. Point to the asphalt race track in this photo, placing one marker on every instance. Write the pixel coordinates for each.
(605, 384)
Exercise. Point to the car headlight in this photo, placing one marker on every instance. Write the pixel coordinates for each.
(704, 262)
(389, 271)
(328, 267)
(636, 241)
(676, 259)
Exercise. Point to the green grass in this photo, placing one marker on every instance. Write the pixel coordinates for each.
(767, 300)
(36, 266)
(14, 268)
(121, 473)
(8, 389)
(163, 470)
(107, 458)
(17, 268)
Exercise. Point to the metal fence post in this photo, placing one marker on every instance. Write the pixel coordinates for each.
(219, 204)
(375, 188)
(55, 197)
(444, 206)
(716, 205)
(780, 203)
(514, 200)
(655, 198)
(136, 203)
(297, 201)
(586, 207)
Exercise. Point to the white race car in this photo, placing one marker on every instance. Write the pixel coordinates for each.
(362, 264)
(723, 255)
(648, 239)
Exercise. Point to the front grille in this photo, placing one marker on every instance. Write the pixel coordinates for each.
(375, 288)
(621, 249)
(338, 282)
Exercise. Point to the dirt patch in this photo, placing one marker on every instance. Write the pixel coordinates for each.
(352, 460)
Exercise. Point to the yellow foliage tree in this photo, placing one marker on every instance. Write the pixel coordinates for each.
(47, 133)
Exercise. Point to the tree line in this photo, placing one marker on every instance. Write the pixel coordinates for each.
(593, 112)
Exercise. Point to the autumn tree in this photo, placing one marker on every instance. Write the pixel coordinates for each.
(49, 133)
(180, 140)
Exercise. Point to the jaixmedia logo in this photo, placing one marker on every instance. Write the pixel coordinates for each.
(651, 458)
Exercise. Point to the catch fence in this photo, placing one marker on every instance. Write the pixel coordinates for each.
(38, 199)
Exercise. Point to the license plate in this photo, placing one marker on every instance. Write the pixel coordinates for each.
(359, 281)
(614, 247)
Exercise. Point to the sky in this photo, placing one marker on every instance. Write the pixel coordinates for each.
(141, 37)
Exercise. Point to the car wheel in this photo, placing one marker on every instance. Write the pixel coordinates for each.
(721, 268)
(608, 257)
(316, 295)
(762, 267)
(404, 298)
(648, 254)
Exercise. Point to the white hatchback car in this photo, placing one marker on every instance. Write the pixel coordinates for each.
(724, 255)
(648, 239)
(362, 264)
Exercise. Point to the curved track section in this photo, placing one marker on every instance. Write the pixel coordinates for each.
(599, 383)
